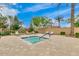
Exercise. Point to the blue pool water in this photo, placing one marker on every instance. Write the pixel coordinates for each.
(34, 39)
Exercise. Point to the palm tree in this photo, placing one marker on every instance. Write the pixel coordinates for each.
(59, 19)
(72, 18)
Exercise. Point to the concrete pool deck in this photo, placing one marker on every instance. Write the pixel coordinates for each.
(56, 46)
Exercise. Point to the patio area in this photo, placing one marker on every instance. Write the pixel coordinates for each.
(56, 45)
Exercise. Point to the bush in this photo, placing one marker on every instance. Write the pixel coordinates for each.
(15, 27)
(5, 33)
(12, 31)
(22, 30)
(31, 29)
(0, 33)
(36, 31)
(77, 35)
(76, 24)
(62, 33)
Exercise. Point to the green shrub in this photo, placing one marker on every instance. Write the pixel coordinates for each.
(62, 33)
(5, 33)
(15, 27)
(36, 31)
(22, 30)
(77, 35)
(31, 29)
(76, 24)
(0, 33)
(12, 31)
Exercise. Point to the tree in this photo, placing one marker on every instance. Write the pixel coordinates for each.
(2, 25)
(31, 28)
(16, 20)
(59, 19)
(2, 22)
(76, 24)
(72, 18)
(15, 24)
(39, 22)
(15, 27)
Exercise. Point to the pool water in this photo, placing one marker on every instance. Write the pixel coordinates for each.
(34, 39)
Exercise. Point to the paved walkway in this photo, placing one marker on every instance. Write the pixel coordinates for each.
(56, 45)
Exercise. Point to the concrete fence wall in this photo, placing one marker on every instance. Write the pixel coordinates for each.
(58, 30)
(76, 30)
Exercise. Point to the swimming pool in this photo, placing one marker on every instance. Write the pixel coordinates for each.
(34, 39)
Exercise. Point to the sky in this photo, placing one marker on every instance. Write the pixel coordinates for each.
(26, 11)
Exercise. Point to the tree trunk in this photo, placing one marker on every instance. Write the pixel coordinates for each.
(59, 24)
(72, 19)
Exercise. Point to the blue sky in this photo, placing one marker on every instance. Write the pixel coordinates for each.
(26, 11)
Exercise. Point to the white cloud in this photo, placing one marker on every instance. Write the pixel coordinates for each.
(54, 22)
(7, 4)
(9, 11)
(38, 7)
(56, 13)
(66, 25)
(2, 4)
(14, 3)
(62, 12)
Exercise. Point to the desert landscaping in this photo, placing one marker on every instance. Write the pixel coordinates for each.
(32, 31)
